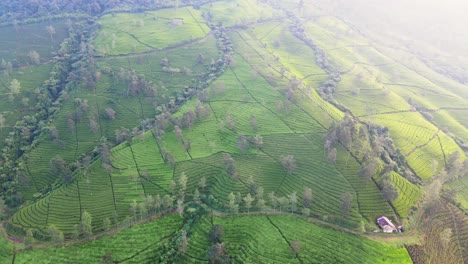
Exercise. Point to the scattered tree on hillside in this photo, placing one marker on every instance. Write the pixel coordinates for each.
(248, 199)
(133, 209)
(242, 143)
(332, 155)
(143, 210)
(58, 166)
(189, 118)
(110, 113)
(231, 123)
(283, 202)
(106, 224)
(34, 57)
(29, 240)
(56, 236)
(233, 206)
(370, 169)
(202, 183)
(169, 159)
(216, 233)
(168, 201)
(93, 124)
(51, 31)
(307, 197)
(178, 133)
(183, 247)
(86, 224)
(107, 258)
(346, 202)
(293, 201)
(14, 89)
(200, 58)
(230, 165)
(295, 247)
(2, 122)
(253, 123)
(3, 208)
(273, 200)
(217, 254)
(182, 184)
(258, 141)
(196, 196)
(388, 191)
(180, 207)
(289, 163)
(54, 134)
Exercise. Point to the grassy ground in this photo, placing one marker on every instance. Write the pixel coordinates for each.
(245, 239)
(125, 33)
(17, 42)
(14, 109)
(139, 169)
(132, 245)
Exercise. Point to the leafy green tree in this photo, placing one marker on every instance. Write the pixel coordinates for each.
(233, 206)
(293, 201)
(29, 240)
(273, 200)
(216, 233)
(388, 191)
(86, 224)
(248, 199)
(55, 234)
(202, 183)
(196, 196)
(106, 224)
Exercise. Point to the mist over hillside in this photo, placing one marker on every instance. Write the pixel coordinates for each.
(430, 28)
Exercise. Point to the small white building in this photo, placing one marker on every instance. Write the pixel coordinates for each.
(386, 225)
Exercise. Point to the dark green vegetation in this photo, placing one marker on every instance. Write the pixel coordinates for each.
(291, 128)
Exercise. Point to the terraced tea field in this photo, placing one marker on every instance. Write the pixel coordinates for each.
(290, 129)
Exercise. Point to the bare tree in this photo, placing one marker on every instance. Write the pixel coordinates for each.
(346, 199)
(189, 118)
(34, 57)
(51, 31)
(230, 165)
(289, 163)
(388, 191)
(242, 143)
(332, 155)
(253, 123)
(307, 197)
(110, 113)
(231, 123)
